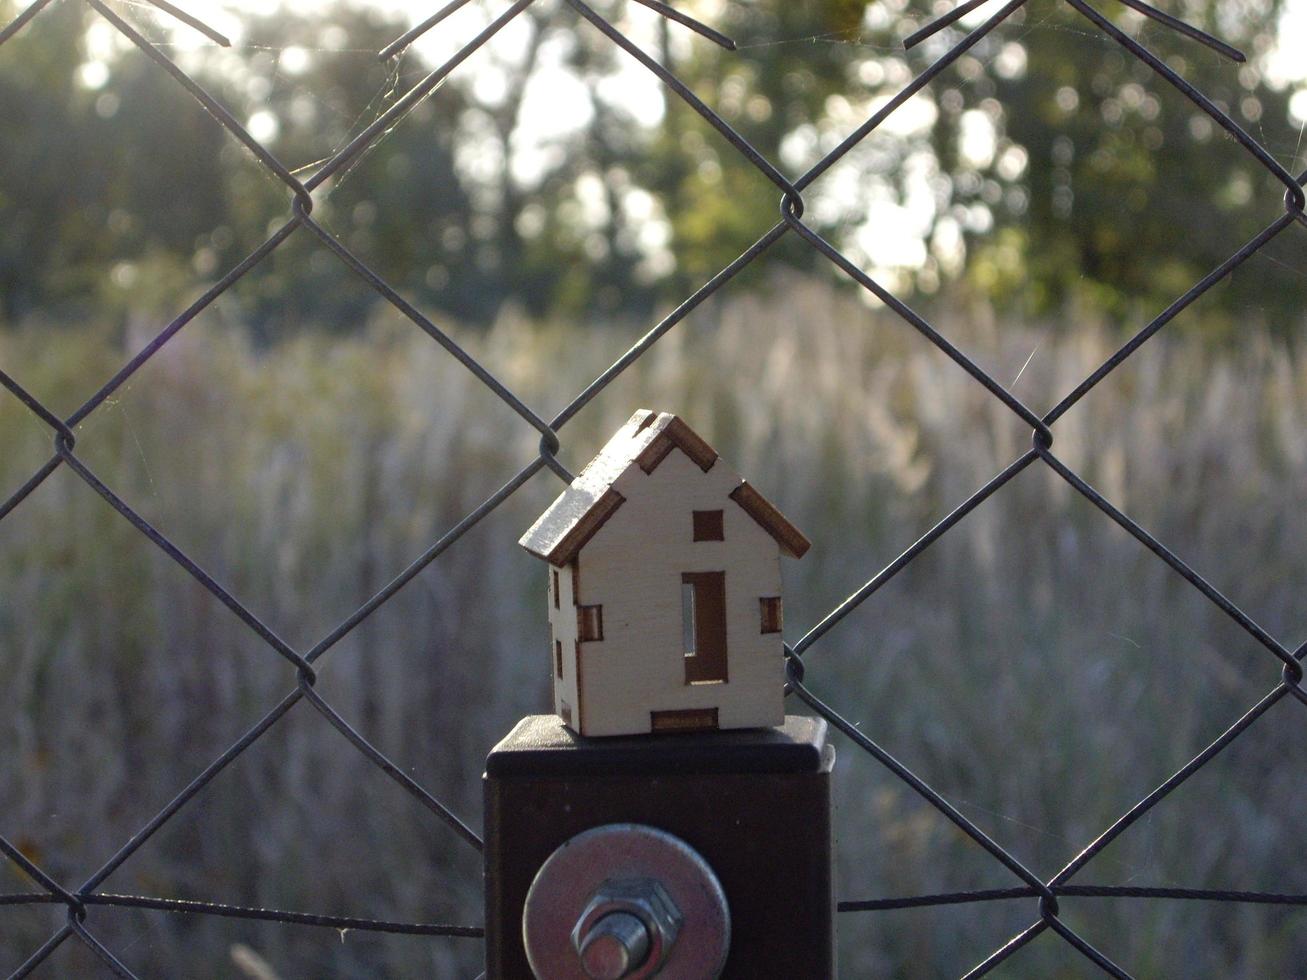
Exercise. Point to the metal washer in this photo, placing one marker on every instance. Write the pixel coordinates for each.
(573, 873)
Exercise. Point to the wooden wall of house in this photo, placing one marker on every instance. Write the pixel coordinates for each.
(562, 643)
(633, 568)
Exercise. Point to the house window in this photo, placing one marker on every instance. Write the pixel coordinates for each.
(558, 659)
(555, 590)
(772, 618)
(703, 626)
(590, 622)
(708, 525)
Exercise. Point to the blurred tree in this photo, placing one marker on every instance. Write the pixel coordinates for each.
(1046, 170)
(790, 63)
(75, 195)
(111, 173)
(1104, 184)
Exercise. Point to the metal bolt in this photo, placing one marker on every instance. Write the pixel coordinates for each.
(627, 929)
(615, 946)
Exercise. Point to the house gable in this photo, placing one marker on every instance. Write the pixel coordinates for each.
(677, 435)
(645, 442)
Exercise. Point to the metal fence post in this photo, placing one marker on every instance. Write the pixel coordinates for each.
(754, 804)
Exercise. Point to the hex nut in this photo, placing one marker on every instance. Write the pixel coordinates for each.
(648, 901)
(581, 895)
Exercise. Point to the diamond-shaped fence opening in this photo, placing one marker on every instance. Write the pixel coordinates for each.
(1056, 907)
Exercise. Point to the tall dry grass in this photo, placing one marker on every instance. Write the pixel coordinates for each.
(1037, 666)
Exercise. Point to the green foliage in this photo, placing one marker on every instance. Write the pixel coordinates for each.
(1046, 171)
(1076, 177)
(81, 187)
(1126, 193)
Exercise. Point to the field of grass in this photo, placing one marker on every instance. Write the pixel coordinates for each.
(1037, 666)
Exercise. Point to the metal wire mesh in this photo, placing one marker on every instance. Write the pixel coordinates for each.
(79, 900)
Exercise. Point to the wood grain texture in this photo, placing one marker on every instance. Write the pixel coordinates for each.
(655, 509)
(634, 569)
(563, 634)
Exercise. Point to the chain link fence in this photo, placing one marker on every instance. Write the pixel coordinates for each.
(1045, 895)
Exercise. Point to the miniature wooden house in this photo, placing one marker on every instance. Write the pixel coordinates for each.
(664, 588)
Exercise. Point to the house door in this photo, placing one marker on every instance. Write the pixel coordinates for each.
(703, 626)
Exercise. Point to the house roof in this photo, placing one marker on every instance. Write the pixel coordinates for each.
(645, 441)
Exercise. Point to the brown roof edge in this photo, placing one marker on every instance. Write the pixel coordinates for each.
(584, 529)
(688, 442)
(679, 435)
(789, 537)
(655, 453)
